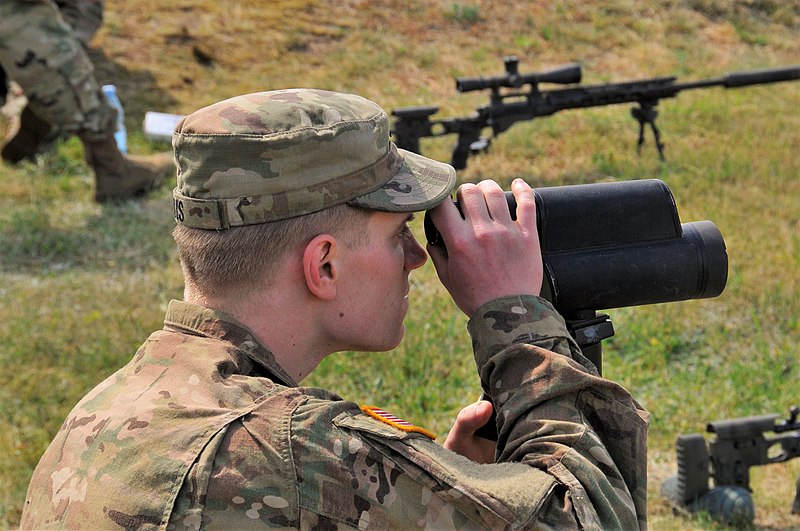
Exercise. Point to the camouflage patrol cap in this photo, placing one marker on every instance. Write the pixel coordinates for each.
(274, 155)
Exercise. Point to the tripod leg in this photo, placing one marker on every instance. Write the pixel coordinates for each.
(657, 136)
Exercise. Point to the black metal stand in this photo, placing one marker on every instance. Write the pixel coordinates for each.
(589, 329)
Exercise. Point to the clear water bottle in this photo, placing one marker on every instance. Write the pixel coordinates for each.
(121, 134)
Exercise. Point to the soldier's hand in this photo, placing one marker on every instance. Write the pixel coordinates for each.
(488, 255)
(462, 438)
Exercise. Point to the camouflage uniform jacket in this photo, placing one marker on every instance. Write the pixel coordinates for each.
(203, 429)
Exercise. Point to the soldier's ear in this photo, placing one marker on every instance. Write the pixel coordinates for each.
(320, 268)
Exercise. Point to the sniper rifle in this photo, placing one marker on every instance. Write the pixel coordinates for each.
(510, 103)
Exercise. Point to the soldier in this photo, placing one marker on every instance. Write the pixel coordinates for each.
(49, 62)
(292, 211)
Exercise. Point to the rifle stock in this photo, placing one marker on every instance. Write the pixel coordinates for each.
(740, 444)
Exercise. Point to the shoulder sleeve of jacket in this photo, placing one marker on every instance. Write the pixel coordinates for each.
(489, 495)
(358, 470)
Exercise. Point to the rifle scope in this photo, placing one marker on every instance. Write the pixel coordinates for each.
(562, 75)
(618, 244)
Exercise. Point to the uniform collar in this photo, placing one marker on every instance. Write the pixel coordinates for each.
(199, 320)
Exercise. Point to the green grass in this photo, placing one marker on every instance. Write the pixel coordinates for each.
(82, 285)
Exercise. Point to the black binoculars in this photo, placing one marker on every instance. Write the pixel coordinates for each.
(618, 244)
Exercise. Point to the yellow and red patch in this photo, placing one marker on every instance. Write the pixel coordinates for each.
(397, 422)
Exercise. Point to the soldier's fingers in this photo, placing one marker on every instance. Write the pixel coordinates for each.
(526, 203)
(496, 202)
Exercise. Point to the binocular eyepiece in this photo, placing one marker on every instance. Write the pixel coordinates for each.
(612, 245)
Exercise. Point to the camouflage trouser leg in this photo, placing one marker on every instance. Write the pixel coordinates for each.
(83, 16)
(40, 51)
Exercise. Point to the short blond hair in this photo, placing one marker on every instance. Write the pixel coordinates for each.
(222, 262)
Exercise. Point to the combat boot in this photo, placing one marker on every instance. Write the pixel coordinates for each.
(28, 136)
(120, 177)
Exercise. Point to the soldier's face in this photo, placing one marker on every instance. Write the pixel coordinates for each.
(374, 283)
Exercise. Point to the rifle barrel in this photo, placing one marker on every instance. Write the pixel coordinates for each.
(747, 78)
(766, 75)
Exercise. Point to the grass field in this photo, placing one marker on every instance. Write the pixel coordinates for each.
(82, 285)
